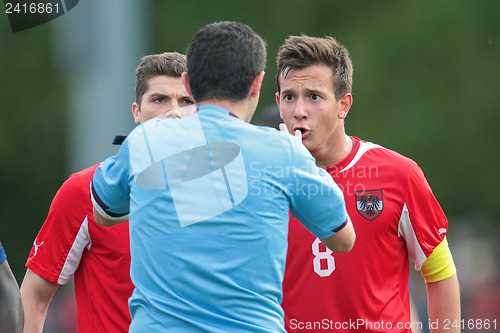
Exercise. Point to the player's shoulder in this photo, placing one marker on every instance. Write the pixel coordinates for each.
(384, 153)
(88, 171)
(85, 174)
(80, 180)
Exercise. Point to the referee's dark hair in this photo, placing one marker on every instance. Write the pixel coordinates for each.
(223, 60)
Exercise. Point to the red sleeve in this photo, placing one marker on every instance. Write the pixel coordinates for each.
(60, 243)
(423, 223)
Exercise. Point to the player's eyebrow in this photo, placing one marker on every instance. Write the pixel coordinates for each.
(287, 91)
(158, 95)
(310, 91)
(315, 92)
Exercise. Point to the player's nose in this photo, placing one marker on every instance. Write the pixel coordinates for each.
(299, 111)
(175, 104)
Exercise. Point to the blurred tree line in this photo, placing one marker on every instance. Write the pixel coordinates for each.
(425, 84)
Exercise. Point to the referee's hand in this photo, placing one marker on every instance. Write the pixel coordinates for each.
(298, 133)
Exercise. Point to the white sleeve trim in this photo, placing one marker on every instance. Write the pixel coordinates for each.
(82, 241)
(102, 212)
(405, 230)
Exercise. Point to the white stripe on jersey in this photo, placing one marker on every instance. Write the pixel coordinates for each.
(405, 230)
(82, 241)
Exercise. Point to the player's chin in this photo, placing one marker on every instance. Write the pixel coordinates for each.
(308, 143)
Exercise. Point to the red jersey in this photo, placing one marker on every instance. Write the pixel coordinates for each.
(71, 242)
(395, 215)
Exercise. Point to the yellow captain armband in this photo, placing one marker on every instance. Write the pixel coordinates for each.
(439, 266)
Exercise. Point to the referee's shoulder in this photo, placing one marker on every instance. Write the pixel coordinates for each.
(285, 145)
(271, 132)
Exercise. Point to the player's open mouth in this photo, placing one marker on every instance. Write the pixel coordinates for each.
(305, 132)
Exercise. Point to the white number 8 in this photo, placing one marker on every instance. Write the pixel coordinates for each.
(325, 255)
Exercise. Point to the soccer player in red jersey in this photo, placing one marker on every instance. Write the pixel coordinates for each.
(392, 207)
(70, 242)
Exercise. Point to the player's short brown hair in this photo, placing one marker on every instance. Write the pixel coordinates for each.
(167, 63)
(300, 52)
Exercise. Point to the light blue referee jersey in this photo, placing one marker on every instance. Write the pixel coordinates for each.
(209, 197)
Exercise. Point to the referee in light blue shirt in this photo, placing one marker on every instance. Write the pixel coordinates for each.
(208, 199)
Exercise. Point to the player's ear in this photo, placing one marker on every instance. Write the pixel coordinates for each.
(136, 110)
(277, 96)
(185, 82)
(345, 105)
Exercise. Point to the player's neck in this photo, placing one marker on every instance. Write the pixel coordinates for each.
(333, 151)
